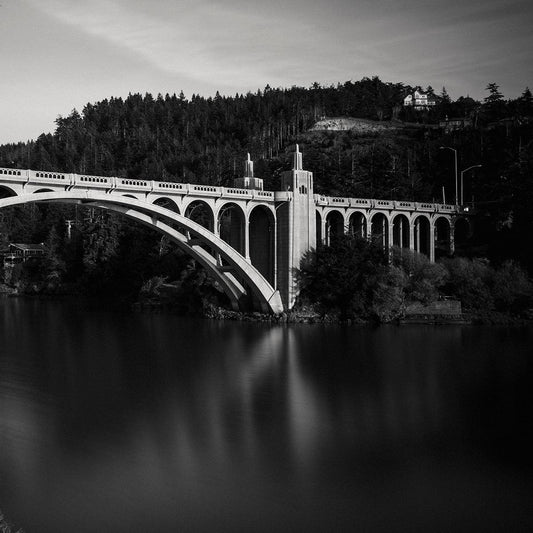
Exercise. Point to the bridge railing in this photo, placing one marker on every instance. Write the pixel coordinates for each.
(12, 172)
(125, 184)
(397, 205)
(92, 180)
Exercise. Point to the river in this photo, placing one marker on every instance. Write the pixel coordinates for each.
(116, 422)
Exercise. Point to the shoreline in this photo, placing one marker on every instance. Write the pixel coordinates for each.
(295, 316)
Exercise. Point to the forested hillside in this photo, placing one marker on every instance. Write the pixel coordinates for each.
(205, 140)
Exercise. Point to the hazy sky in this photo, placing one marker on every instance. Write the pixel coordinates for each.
(56, 55)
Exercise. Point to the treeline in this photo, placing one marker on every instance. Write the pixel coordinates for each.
(205, 139)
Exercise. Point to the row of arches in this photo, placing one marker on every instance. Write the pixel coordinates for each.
(433, 237)
(251, 234)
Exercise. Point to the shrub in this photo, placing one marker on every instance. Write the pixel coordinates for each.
(341, 277)
(388, 294)
(512, 289)
(424, 279)
(470, 280)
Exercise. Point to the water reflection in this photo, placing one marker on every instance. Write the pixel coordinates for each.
(128, 422)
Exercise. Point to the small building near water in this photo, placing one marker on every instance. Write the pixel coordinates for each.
(20, 253)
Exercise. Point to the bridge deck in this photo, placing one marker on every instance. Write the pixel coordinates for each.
(110, 184)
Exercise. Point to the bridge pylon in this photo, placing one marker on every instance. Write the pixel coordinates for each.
(296, 227)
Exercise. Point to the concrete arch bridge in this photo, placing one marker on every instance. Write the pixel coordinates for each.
(250, 240)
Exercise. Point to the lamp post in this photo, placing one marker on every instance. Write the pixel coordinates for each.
(455, 158)
(462, 172)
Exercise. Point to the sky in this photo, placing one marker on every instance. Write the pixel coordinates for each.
(59, 55)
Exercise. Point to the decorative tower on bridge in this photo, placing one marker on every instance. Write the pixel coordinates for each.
(296, 227)
(248, 181)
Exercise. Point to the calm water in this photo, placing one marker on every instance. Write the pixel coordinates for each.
(127, 422)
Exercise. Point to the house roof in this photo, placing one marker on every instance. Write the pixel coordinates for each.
(29, 247)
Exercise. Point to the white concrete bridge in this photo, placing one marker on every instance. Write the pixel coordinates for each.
(250, 240)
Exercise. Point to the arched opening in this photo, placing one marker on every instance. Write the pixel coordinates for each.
(6, 192)
(461, 233)
(334, 226)
(443, 244)
(231, 226)
(318, 228)
(200, 213)
(167, 203)
(357, 225)
(261, 229)
(380, 230)
(422, 228)
(38, 191)
(400, 231)
(130, 196)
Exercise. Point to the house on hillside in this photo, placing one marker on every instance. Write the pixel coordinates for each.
(419, 100)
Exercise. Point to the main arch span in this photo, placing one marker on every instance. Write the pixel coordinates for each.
(226, 265)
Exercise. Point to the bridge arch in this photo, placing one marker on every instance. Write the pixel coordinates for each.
(167, 203)
(422, 234)
(6, 192)
(400, 230)
(462, 231)
(262, 236)
(201, 212)
(231, 226)
(334, 225)
(357, 224)
(189, 236)
(379, 229)
(318, 228)
(443, 233)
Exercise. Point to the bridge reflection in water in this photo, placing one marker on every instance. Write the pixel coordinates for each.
(250, 240)
(120, 423)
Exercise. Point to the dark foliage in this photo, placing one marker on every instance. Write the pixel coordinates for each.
(343, 277)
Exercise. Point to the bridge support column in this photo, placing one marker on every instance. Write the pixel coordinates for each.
(411, 235)
(452, 237)
(247, 237)
(432, 230)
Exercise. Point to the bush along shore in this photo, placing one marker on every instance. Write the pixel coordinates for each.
(352, 281)
(356, 281)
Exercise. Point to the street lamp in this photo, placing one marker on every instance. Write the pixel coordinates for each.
(455, 154)
(462, 172)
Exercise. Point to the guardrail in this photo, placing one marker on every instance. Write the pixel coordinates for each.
(111, 183)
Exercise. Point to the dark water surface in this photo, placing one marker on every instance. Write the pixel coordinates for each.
(129, 422)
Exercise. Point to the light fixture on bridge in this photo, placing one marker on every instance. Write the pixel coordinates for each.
(462, 172)
(456, 185)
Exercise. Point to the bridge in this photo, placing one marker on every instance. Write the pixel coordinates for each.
(251, 241)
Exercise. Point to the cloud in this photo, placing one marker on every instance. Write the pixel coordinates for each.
(196, 39)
